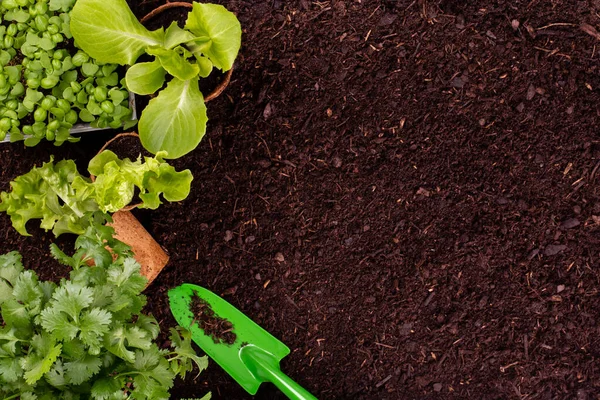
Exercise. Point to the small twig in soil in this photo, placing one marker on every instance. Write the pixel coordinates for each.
(590, 30)
(556, 24)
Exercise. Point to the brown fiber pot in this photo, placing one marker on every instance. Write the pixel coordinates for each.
(147, 252)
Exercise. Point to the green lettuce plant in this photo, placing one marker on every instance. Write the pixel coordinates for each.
(67, 201)
(86, 337)
(175, 120)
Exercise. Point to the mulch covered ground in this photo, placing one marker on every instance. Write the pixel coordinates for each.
(407, 193)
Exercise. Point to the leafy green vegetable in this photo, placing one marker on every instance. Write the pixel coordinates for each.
(108, 31)
(219, 29)
(175, 120)
(145, 78)
(36, 71)
(66, 201)
(85, 337)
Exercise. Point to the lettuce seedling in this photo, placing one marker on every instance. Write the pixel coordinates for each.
(68, 202)
(175, 120)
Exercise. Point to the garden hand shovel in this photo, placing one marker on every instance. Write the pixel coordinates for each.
(243, 349)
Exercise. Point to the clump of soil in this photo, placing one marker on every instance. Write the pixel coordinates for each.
(219, 329)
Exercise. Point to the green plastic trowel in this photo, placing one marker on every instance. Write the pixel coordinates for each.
(251, 355)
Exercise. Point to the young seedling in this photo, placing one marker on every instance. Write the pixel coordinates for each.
(175, 120)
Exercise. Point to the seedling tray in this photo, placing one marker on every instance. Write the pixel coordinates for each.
(85, 127)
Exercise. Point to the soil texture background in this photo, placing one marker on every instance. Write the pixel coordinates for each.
(406, 193)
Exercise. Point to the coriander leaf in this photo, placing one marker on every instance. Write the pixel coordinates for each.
(15, 314)
(138, 338)
(82, 370)
(145, 78)
(127, 277)
(27, 290)
(71, 298)
(175, 120)
(107, 388)
(9, 340)
(37, 365)
(10, 370)
(61, 257)
(109, 32)
(58, 324)
(153, 377)
(94, 324)
(222, 29)
(149, 324)
(115, 343)
(56, 375)
(181, 340)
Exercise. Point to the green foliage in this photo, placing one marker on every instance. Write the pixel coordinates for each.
(66, 201)
(44, 89)
(174, 121)
(85, 337)
(182, 128)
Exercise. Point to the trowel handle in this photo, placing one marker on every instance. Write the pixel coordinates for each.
(290, 388)
(265, 367)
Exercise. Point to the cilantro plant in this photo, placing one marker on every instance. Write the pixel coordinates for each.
(175, 120)
(46, 84)
(85, 337)
(66, 201)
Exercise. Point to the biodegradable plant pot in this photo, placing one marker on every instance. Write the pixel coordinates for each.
(147, 252)
(158, 10)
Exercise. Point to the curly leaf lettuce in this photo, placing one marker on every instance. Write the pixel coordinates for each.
(66, 201)
(47, 193)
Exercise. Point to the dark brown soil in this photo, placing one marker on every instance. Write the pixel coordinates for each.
(406, 193)
(219, 329)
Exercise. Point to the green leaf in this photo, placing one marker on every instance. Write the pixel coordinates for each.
(109, 32)
(10, 370)
(56, 375)
(174, 36)
(145, 78)
(72, 298)
(127, 277)
(82, 370)
(26, 289)
(62, 5)
(107, 388)
(47, 193)
(204, 64)
(175, 186)
(181, 340)
(58, 324)
(16, 314)
(149, 324)
(116, 181)
(174, 63)
(175, 120)
(17, 16)
(10, 267)
(115, 342)
(89, 69)
(221, 28)
(37, 366)
(94, 324)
